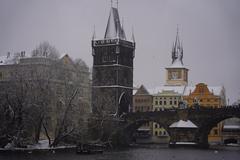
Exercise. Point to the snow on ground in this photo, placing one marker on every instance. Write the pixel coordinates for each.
(42, 144)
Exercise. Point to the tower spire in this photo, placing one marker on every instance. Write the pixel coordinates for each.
(133, 37)
(94, 33)
(177, 51)
(114, 28)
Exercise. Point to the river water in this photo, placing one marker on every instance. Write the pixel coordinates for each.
(143, 153)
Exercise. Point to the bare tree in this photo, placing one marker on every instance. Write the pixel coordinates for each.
(45, 50)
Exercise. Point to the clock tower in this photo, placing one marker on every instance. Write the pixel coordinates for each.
(112, 77)
(177, 73)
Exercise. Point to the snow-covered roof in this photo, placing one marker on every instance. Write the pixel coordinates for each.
(176, 64)
(183, 124)
(184, 90)
(231, 127)
(10, 58)
(159, 89)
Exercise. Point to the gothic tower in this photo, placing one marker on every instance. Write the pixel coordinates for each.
(177, 73)
(112, 75)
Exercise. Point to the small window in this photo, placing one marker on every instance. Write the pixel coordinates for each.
(156, 125)
(170, 102)
(165, 103)
(160, 102)
(156, 133)
(160, 133)
(175, 102)
(156, 102)
(1, 75)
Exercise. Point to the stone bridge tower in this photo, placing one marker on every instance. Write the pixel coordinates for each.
(112, 77)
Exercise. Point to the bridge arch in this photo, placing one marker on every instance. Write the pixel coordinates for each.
(131, 128)
(207, 125)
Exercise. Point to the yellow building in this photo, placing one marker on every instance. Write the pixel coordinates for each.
(208, 97)
(166, 99)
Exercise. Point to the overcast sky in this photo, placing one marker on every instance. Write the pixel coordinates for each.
(209, 29)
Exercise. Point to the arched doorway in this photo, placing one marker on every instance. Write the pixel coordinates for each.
(123, 104)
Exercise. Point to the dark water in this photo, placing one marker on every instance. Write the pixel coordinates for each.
(147, 153)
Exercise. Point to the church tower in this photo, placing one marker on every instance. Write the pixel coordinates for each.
(177, 73)
(112, 77)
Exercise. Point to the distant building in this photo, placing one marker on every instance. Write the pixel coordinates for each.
(42, 81)
(176, 89)
(164, 99)
(142, 102)
(208, 97)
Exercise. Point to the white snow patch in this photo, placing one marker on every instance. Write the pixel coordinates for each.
(42, 144)
(231, 127)
(183, 124)
(190, 143)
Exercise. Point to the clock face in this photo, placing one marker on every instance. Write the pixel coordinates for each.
(174, 75)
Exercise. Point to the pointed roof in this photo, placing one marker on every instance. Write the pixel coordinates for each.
(177, 53)
(114, 28)
(142, 91)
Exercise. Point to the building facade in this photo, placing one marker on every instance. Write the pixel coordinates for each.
(142, 102)
(112, 77)
(49, 89)
(213, 97)
(166, 99)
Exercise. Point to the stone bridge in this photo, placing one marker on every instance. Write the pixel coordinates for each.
(121, 130)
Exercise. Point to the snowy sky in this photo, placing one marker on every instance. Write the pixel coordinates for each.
(209, 29)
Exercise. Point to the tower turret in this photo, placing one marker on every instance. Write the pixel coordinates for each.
(112, 69)
(177, 73)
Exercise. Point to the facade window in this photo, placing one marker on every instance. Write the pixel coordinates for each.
(1, 75)
(160, 133)
(160, 102)
(156, 102)
(175, 102)
(156, 125)
(215, 132)
(170, 102)
(156, 133)
(164, 102)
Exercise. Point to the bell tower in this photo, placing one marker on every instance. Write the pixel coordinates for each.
(112, 77)
(177, 73)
